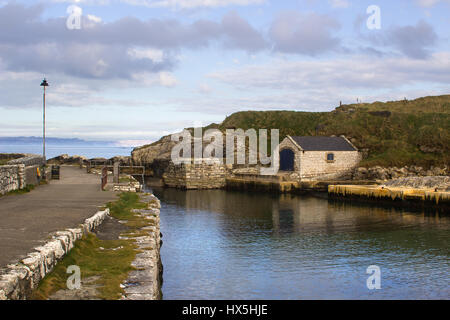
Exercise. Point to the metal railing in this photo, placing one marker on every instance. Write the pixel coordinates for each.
(107, 165)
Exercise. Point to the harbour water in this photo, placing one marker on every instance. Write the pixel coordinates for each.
(228, 245)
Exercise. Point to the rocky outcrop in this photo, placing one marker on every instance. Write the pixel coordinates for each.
(76, 159)
(380, 173)
(158, 150)
(66, 159)
(123, 160)
(439, 183)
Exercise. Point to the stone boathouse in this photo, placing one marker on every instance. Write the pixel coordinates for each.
(318, 157)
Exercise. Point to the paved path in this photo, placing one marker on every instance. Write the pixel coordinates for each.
(27, 220)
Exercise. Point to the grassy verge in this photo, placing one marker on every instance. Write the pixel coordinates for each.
(126, 179)
(27, 189)
(109, 260)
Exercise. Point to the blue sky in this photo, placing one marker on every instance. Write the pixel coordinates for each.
(140, 69)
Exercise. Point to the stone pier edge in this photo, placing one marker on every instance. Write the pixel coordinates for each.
(144, 283)
(17, 281)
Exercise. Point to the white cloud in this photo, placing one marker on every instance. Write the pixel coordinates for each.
(93, 18)
(167, 79)
(204, 88)
(320, 85)
(190, 4)
(155, 55)
(348, 73)
(304, 33)
(430, 3)
(339, 3)
(150, 79)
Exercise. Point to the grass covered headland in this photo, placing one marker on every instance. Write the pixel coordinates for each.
(105, 264)
(394, 133)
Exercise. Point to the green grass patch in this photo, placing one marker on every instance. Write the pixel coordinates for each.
(122, 210)
(111, 266)
(27, 189)
(125, 179)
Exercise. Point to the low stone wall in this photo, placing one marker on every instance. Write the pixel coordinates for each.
(30, 160)
(19, 280)
(12, 177)
(145, 282)
(421, 198)
(202, 175)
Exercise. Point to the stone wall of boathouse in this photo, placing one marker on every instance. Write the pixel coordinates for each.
(315, 164)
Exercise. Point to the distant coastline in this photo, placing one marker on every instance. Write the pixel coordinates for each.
(54, 141)
(58, 146)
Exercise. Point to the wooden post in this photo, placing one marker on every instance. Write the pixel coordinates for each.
(116, 172)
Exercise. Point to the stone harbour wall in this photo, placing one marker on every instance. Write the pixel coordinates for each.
(17, 281)
(199, 175)
(145, 282)
(12, 177)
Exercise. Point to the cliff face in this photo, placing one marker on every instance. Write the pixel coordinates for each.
(160, 150)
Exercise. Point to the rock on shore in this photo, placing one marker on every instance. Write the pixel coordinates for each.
(380, 173)
(76, 159)
(440, 183)
(158, 150)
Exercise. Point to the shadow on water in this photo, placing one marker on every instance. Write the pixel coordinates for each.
(223, 244)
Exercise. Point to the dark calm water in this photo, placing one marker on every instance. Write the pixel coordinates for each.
(228, 245)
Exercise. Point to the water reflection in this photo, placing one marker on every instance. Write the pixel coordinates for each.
(233, 245)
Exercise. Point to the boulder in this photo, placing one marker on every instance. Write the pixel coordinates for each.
(360, 173)
(59, 159)
(66, 159)
(124, 160)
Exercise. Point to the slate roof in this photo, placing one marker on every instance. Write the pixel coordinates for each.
(323, 143)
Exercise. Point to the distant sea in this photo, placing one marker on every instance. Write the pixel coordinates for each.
(56, 150)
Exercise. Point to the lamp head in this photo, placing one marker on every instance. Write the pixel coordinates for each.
(44, 83)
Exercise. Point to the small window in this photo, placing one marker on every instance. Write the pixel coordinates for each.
(330, 156)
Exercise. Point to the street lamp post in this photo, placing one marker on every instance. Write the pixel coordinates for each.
(44, 84)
